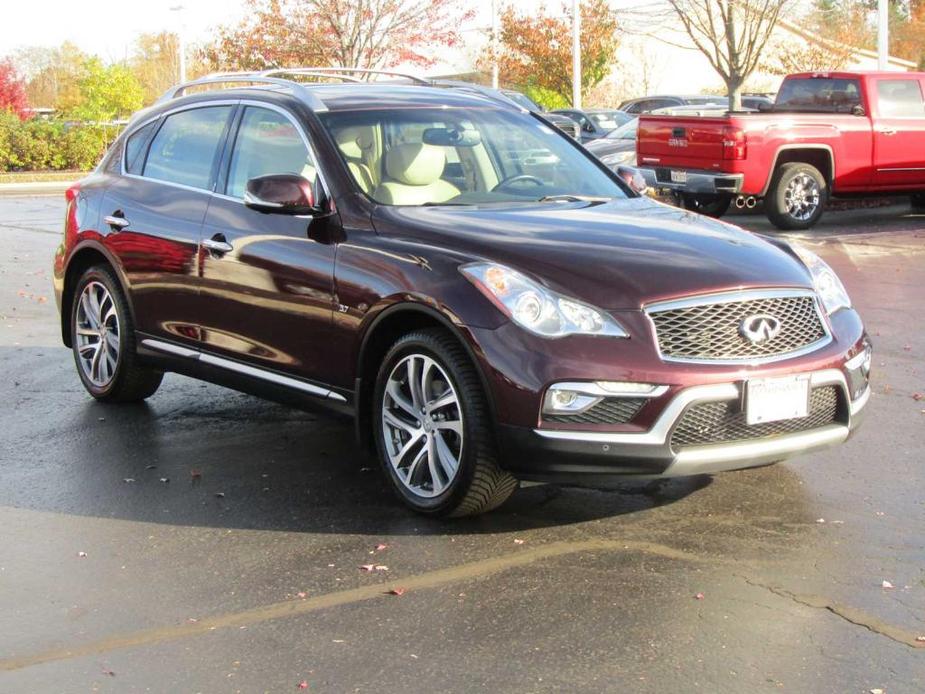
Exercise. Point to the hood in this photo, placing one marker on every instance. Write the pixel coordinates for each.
(618, 255)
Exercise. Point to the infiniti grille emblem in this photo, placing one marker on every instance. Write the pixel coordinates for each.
(760, 328)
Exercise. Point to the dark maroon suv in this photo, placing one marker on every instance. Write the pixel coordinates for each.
(488, 301)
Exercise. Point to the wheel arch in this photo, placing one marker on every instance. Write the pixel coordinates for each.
(382, 332)
(85, 256)
(821, 156)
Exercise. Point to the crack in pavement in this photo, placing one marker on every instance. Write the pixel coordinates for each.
(852, 615)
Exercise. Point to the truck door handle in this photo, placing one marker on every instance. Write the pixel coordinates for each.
(116, 221)
(218, 244)
(887, 131)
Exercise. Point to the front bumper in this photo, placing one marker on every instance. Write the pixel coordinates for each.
(595, 457)
(697, 182)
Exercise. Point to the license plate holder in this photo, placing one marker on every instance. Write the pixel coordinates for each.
(776, 399)
(678, 176)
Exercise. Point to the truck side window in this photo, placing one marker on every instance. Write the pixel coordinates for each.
(900, 99)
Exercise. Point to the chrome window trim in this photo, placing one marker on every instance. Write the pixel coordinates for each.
(246, 369)
(658, 435)
(732, 297)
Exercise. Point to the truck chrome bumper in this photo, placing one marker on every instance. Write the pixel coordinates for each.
(703, 182)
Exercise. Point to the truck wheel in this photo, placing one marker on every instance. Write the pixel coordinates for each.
(918, 201)
(433, 429)
(797, 196)
(709, 205)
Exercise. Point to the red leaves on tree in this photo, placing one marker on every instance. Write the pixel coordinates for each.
(12, 90)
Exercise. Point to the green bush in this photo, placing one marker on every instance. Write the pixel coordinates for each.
(37, 145)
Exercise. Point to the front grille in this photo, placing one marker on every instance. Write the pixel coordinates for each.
(712, 331)
(607, 411)
(721, 422)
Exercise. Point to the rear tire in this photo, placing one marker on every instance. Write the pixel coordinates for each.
(918, 201)
(797, 196)
(436, 442)
(103, 341)
(709, 205)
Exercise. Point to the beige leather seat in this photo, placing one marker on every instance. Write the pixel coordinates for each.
(414, 171)
(352, 142)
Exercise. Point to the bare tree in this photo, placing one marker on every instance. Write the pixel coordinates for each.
(732, 34)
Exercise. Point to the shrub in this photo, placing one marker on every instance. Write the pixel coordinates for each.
(37, 145)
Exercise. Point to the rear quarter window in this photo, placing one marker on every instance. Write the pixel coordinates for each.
(135, 148)
(900, 98)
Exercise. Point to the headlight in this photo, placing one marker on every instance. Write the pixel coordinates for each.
(618, 158)
(828, 286)
(537, 309)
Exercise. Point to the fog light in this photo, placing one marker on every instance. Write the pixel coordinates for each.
(562, 400)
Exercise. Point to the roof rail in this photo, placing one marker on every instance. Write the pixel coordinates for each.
(309, 72)
(248, 78)
(340, 71)
(495, 95)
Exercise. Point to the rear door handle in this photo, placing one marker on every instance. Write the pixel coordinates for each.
(887, 131)
(218, 244)
(116, 221)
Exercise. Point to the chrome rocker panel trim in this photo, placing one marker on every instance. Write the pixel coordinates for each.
(252, 371)
(723, 456)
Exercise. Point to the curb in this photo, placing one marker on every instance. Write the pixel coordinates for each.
(35, 188)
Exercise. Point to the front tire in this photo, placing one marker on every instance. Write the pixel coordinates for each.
(103, 341)
(433, 430)
(797, 196)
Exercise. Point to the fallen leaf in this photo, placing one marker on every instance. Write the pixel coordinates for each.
(108, 672)
(302, 594)
(518, 541)
(886, 584)
(192, 620)
(918, 396)
(920, 639)
(876, 691)
(42, 299)
(165, 480)
(196, 474)
(367, 567)
(838, 522)
(907, 348)
(381, 546)
(699, 596)
(220, 495)
(82, 555)
(820, 520)
(129, 480)
(381, 567)
(338, 641)
(397, 591)
(303, 685)
(880, 513)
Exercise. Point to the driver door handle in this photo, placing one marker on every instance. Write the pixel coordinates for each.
(887, 131)
(218, 244)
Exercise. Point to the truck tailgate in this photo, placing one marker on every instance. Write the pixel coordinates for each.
(682, 141)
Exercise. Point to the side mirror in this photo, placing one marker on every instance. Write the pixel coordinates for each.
(858, 110)
(633, 178)
(765, 107)
(281, 194)
(588, 128)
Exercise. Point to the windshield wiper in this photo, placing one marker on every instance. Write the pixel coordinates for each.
(573, 197)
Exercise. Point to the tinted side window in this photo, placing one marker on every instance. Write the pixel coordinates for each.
(184, 148)
(135, 148)
(632, 108)
(900, 98)
(267, 143)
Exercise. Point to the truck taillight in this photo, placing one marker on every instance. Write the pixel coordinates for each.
(733, 143)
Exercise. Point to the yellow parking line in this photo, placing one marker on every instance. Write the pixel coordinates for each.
(291, 608)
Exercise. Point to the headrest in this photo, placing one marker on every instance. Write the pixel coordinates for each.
(352, 141)
(415, 164)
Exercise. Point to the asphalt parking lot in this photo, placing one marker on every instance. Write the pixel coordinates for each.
(207, 541)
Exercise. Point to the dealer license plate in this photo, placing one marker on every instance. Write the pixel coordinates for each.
(773, 399)
(679, 176)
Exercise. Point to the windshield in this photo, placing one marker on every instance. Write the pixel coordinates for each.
(819, 95)
(608, 120)
(627, 131)
(524, 101)
(459, 156)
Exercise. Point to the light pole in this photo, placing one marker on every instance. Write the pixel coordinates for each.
(883, 34)
(494, 44)
(181, 43)
(576, 54)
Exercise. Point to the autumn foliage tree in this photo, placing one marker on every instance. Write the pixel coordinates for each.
(359, 33)
(12, 90)
(535, 48)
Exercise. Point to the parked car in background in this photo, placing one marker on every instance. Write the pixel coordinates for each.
(647, 104)
(485, 298)
(828, 134)
(595, 123)
(618, 147)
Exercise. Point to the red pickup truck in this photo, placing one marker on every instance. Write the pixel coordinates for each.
(842, 134)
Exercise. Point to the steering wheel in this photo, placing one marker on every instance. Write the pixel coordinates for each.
(519, 178)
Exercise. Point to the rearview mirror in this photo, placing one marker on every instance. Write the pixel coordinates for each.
(281, 194)
(633, 178)
(858, 110)
(451, 137)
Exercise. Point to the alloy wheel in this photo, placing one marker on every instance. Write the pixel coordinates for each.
(422, 426)
(97, 334)
(802, 196)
